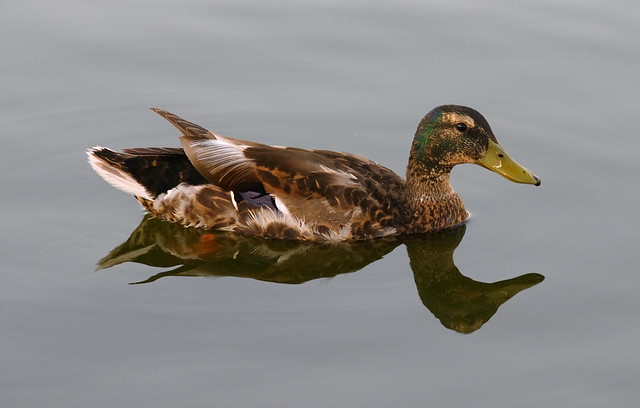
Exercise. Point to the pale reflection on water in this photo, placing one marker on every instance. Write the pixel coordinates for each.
(460, 303)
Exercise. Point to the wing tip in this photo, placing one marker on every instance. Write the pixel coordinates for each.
(188, 129)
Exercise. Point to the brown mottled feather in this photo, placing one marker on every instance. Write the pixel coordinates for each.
(346, 191)
(206, 206)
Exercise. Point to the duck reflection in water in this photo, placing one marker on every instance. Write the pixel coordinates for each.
(460, 303)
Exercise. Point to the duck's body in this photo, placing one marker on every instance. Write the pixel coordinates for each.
(220, 183)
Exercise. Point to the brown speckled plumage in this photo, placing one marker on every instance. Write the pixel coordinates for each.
(220, 183)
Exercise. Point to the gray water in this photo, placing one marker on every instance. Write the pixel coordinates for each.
(557, 80)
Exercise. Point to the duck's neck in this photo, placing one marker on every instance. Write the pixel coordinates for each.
(431, 202)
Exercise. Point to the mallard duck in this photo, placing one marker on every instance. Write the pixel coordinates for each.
(220, 183)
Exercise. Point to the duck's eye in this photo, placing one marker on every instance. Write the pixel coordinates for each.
(462, 127)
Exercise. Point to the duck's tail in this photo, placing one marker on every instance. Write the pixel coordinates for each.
(113, 168)
(145, 172)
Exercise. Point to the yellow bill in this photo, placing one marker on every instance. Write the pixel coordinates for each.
(498, 160)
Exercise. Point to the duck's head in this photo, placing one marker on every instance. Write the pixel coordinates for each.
(452, 134)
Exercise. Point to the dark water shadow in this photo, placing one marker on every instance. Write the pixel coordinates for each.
(460, 303)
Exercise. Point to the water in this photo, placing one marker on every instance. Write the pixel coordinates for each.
(556, 80)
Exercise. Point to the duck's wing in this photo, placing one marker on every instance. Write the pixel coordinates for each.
(219, 159)
(330, 187)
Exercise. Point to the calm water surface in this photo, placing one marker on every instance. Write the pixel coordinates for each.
(544, 280)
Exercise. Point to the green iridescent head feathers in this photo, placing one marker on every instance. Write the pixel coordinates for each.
(452, 134)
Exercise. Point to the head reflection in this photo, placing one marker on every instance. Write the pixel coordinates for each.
(460, 303)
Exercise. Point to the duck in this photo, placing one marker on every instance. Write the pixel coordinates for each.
(219, 183)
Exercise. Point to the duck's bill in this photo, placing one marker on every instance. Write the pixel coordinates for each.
(499, 161)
